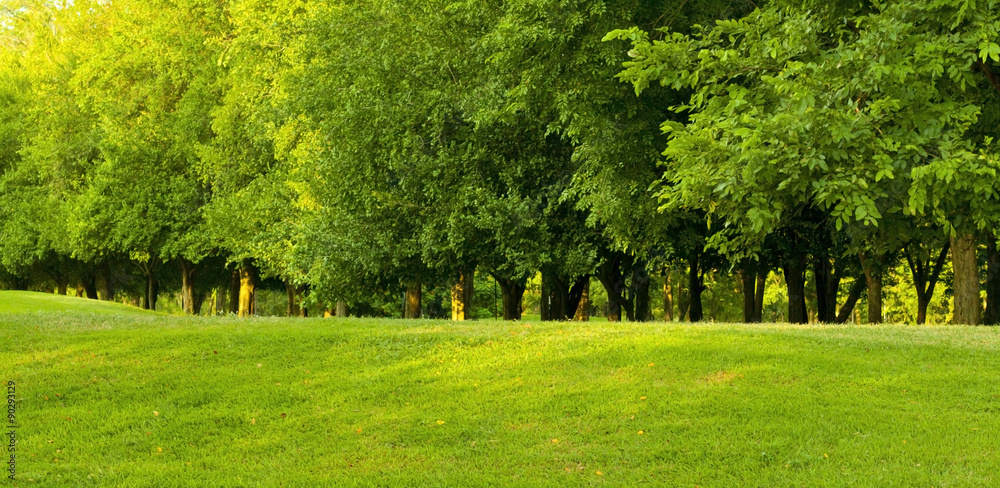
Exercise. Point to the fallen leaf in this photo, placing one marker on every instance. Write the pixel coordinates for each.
(253, 421)
(159, 449)
(598, 473)
(642, 398)
(555, 441)
(640, 432)
(651, 364)
(440, 422)
(155, 413)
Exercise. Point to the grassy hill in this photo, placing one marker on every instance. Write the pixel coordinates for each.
(30, 301)
(176, 401)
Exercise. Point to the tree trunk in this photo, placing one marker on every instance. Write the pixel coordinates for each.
(90, 286)
(512, 292)
(640, 292)
(152, 292)
(852, 300)
(967, 301)
(827, 284)
(234, 292)
(461, 296)
(188, 270)
(668, 298)
(610, 276)
(80, 291)
(795, 280)
(248, 289)
(199, 300)
(873, 277)
(582, 313)
(292, 291)
(555, 297)
(992, 314)
(341, 308)
(413, 301)
(104, 288)
(695, 287)
(758, 306)
(749, 279)
(63, 285)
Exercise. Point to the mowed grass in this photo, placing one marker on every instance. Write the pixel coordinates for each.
(30, 301)
(176, 401)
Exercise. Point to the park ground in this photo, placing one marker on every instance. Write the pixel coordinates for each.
(123, 397)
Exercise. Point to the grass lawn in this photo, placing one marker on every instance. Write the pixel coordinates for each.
(30, 301)
(162, 401)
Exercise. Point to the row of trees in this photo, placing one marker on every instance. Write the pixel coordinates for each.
(354, 151)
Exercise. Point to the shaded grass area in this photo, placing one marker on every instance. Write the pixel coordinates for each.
(31, 301)
(175, 401)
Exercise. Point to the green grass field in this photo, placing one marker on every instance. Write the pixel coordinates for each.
(153, 400)
(29, 301)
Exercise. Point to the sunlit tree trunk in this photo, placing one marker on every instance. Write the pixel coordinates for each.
(873, 277)
(668, 298)
(292, 291)
(188, 270)
(413, 301)
(967, 301)
(461, 296)
(248, 289)
(580, 299)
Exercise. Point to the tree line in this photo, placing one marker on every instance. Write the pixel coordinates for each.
(354, 151)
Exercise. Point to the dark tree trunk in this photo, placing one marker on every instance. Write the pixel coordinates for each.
(967, 302)
(90, 286)
(925, 278)
(640, 292)
(104, 288)
(188, 270)
(749, 279)
(827, 284)
(795, 280)
(695, 287)
(610, 276)
(556, 299)
(63, 285)
(758, 306)
(234, 292)
(199, 300)
(152, 292)
(248, 289)
(414, 295)
(857, 288)
(512, 292)
(873, 277)
(992, 314)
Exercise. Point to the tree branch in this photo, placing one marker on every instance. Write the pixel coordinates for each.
(990, 75)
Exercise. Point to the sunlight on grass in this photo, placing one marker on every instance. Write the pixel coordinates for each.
(174, 401)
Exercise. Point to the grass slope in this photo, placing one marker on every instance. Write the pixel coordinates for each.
(30, 301)
(174, 401)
